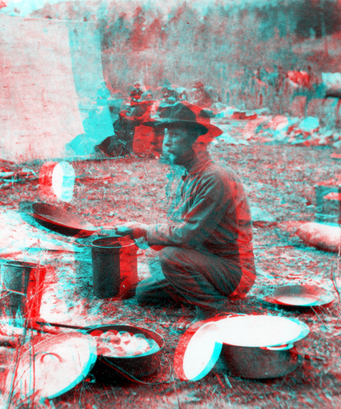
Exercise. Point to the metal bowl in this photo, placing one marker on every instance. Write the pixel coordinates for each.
(111, 369)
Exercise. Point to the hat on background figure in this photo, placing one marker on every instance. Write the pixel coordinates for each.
(188, 116)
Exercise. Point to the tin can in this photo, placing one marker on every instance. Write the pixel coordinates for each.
(114, 267)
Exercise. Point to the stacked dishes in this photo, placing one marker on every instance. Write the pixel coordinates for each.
(261, 346)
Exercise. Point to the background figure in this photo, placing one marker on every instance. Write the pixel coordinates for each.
(136, 93)
(201, 96)
(121, 143)
(169, 95)
(144, 135)
(182, 94)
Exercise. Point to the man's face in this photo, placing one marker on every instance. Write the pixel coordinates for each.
(177, 145)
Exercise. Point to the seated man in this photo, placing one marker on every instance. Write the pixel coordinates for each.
(201, 96)
(169, 96)
(135, 94)
(207, 253)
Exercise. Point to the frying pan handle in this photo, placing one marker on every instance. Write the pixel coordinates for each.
(279, 348)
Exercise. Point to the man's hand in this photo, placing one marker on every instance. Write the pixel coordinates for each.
(132, 229)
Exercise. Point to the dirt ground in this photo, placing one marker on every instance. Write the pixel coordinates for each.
(279, 179)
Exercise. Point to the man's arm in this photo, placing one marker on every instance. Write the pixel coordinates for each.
(208, 208)
(209, 205)
(135, 230)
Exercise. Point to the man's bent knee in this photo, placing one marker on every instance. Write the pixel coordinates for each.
(168, 255)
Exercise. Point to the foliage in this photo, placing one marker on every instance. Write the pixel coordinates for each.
(220, 43)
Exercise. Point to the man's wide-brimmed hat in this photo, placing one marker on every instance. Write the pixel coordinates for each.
(188, 116)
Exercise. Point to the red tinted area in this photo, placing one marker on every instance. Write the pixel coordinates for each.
(96, 333)
(45, 181)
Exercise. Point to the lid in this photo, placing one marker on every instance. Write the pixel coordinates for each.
(53, 366)
(260, 330)
(197, 352)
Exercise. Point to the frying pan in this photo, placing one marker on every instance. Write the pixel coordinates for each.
(62, 221)
(300, 295)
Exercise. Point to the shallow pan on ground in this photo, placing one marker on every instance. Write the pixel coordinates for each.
(61, 221)
(300, 296)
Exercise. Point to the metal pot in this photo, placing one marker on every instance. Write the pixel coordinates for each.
(111, 369)
(260, 346)
(260, 363)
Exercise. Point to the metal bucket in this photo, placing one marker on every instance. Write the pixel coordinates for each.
(114, 267)
(21, 287)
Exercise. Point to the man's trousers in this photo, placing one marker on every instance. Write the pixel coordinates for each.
(197, 278)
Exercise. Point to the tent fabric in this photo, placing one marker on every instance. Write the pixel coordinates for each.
(51, 74)
(90, 88)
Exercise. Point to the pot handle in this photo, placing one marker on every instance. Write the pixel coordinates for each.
(44, 354)
(132, 378)
(279, 347)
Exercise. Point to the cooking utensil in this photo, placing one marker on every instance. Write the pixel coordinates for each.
(197, 353)
(62, 221)
(260, 346)
(15, 276)
(60, 362)
(24, 282)
(110, 369)
(261, 330)
(53, 324)
(114, 267)
(300, 295)
(260, 363)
